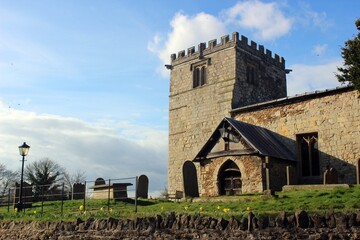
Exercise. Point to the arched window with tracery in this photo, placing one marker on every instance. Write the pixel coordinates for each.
(309, 154)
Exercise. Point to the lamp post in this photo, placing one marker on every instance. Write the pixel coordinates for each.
(24, 150)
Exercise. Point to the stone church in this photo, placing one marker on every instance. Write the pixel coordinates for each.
(234, 130)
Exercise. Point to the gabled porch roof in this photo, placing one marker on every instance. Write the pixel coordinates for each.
(263, 141)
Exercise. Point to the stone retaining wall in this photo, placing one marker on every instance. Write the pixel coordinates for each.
(295, 226)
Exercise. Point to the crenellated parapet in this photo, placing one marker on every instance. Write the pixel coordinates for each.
(241, 42)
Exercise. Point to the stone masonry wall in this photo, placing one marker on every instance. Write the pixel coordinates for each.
(194, 113)
(300, 225)
(251, 174)
(269, 84)
(278, 173)
(335, 117)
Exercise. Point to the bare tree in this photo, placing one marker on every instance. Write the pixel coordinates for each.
(7, 179)
(46, 177)
(70, 179)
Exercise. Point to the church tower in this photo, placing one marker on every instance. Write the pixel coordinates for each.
(205, 85)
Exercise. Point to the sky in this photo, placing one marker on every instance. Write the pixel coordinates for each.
(84, 84)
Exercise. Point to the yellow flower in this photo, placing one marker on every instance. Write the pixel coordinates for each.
(111, 210)
(15, 209)
(162, 208)
(218, 207)
(186, 208)
(84, 212)
(81, 208)
(226, 210)
(201, 209)
(35, 212)
(101, 209)
(248, 208)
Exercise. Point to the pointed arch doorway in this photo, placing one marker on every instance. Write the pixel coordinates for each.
(229, 179)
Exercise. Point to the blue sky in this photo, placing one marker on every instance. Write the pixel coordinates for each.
(83, 82)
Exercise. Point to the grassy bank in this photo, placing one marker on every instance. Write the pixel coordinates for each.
(320, 201)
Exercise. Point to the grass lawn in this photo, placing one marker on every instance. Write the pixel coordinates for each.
(319, 201)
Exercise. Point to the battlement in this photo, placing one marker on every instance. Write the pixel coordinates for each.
(225, 42)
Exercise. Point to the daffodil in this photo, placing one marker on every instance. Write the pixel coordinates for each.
(110, 210)
(186, 208)
(15, 209)
(81, 208)
(201, 209)
(35, 212)
(218, 207)
(226, 210)
(248, 209)
(101, 209)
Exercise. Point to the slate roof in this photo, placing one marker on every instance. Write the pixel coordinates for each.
(262, 140)
(292, 99)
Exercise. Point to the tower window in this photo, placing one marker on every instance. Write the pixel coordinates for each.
(309, 154)
(199, 76)
(251, 74)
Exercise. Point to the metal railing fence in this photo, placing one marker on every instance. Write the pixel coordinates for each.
(89, 196)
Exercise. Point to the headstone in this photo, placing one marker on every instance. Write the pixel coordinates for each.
(78, 191)
(267, 173)
(331, 176)
(143, 186)
(290, 175)
(99, 181)
(119, 190)
(190, 180)
(27, 195)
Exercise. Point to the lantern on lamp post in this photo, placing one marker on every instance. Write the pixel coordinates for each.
(23, 150)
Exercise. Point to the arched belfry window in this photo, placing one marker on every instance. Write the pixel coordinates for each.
(199, 76)
(251, 74)
(200, 71)
(196, 77)
(229, 179)
(203, 75)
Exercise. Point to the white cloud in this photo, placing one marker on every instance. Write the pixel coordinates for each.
(265, 19)
(311, 18)
(186, 31)
(320, 49)
(306, 78)
(77, 145)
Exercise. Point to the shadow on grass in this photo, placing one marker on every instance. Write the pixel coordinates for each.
(140, 202)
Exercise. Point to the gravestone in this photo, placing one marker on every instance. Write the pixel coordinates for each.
(143, 186)
(78, 191)
(27, 195)
(290, 175)
(190, 180)
(99, 181)
(331, 176)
